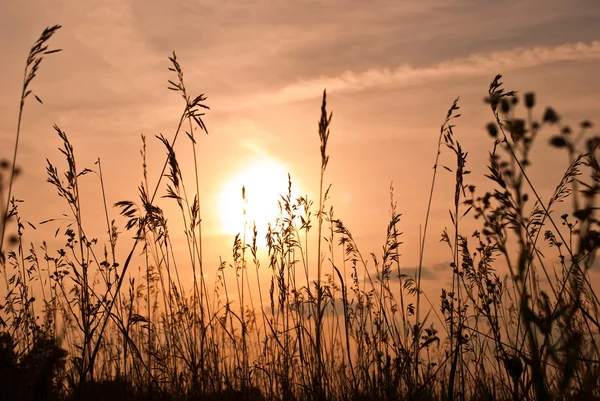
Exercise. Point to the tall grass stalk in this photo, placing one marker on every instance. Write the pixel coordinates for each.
(34, 60)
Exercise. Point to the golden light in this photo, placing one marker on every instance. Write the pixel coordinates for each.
(264, 182)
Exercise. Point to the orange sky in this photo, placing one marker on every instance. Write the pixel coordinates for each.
(391, 68)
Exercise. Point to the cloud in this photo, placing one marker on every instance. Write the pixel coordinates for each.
(432, 272)
(404, 75)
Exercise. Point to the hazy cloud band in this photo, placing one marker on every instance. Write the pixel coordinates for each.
(404, 75)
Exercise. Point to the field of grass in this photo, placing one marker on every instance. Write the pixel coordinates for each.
(84, 322)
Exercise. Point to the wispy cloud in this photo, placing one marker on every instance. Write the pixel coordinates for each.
(404, 75)
(433, 272)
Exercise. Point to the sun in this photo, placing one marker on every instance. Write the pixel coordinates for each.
(263, 181)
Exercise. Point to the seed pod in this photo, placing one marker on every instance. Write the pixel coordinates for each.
(529, 100)
(492, 130)
(505, 105)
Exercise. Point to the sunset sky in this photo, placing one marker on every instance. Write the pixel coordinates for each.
(391, 70)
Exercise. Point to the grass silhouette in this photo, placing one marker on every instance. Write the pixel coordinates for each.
(362, 329)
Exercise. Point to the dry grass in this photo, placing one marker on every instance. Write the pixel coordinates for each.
(362, 330)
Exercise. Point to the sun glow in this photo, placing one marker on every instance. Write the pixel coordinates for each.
(264, 182)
